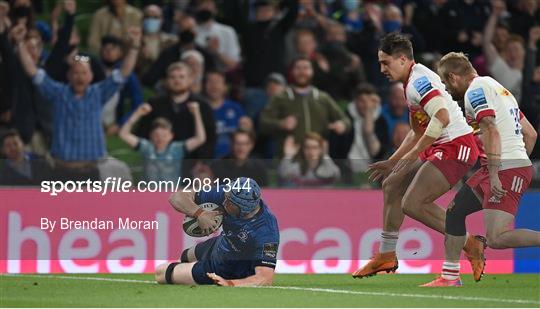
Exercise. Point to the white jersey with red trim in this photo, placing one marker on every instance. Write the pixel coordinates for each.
(487, 97)
(422, 86)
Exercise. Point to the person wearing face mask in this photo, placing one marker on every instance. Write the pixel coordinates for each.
(350, 15)
(156, 73)
(154, 39)
(113, 19)
(219, 39)
(395, 21)
(113, 116)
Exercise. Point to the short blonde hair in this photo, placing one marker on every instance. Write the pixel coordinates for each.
(456, 63)
(178, 66)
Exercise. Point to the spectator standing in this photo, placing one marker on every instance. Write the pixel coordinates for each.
(228, 114)
(525, 17)
(301, 109)
(507, 67)
(26, 108)
(195, 60)
(464, 21)
(240, 163)
(306, 45)
(78, 137)
(218, 39)
(345, 69)
(111, 55)
(113, 19)
(21, 168)
(263, 47)
(173, 106)
(161, 155)
(308, 165)
(186, 42)
(154, 39)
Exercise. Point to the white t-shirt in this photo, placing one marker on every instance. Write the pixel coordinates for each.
(422, 86)
(228, 40)
(486, 97)
(510, 78)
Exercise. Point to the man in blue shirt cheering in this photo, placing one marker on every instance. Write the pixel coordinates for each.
(78, 138)
(245, 253)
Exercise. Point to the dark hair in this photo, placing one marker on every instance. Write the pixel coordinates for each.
(297, 59)
(161, 123)
(217, 72)
(397, 44)
(113, 40)
(364, 89)
(302, 159)
(249, 133)
(9, 133)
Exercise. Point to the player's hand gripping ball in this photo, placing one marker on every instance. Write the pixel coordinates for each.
(191, 225)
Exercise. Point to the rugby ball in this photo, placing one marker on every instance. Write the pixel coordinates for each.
(191, 226)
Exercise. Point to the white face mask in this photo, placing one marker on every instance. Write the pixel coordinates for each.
(151, 25)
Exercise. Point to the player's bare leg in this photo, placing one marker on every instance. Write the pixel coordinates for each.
(418, 203)
(465, 203)
(500, 236)
(175, 273)
(394, 186)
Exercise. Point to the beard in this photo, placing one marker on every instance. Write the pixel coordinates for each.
(302, 82)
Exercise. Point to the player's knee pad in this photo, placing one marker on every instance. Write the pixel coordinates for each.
(465, 203)
(169, 272)
(184, 256)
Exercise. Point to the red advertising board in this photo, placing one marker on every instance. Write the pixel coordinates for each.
(322, 231)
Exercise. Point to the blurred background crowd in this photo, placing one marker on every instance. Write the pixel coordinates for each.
(286, 92)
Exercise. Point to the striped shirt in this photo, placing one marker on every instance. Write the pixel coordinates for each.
(77, 131)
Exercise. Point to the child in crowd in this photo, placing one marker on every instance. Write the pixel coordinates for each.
(161, 155)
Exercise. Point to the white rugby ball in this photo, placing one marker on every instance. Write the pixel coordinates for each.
(191, 225)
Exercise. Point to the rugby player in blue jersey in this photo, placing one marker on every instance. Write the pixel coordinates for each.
(244, 254)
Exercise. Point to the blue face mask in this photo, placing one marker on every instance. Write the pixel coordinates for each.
(350, 5)
(391, 26)
(151, 25)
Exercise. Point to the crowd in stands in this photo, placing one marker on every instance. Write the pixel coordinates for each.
(286, 92)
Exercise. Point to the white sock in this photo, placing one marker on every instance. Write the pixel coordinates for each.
(388, 241)
(450, 271)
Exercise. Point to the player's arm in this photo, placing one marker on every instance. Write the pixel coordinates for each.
(184, 202)
(492, 145)
(263, 276)
(440, 118)
(125, 132)
(529, 134)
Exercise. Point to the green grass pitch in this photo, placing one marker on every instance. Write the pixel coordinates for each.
(115, 290)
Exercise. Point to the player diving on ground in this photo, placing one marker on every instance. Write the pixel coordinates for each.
(244, 254)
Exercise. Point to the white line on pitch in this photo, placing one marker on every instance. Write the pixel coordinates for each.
(385, 294)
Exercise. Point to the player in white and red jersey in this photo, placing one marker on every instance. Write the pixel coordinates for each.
(504, 176)
(438, 151)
